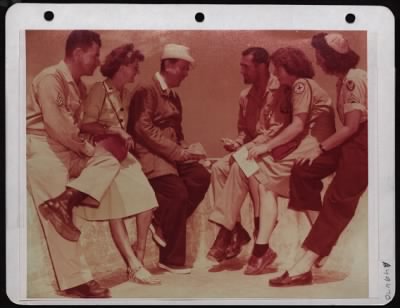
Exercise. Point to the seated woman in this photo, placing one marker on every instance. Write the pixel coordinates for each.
(105, 114)
(312, 122)
(345, 152)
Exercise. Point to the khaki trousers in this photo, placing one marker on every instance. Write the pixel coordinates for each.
(49, 168)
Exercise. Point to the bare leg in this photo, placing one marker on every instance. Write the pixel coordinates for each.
(268, 214)
(312, 216)
(136, 270)
(143, 221)
(121, 240)
(254, 194)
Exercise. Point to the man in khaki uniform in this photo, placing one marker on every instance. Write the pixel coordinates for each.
(253, 101)
(56, 153)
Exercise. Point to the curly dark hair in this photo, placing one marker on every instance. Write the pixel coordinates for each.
(122, 55)
(294, 61)
(260, 55)
(334, 62)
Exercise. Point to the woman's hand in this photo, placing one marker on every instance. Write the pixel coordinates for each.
(310, 155)
(258, 150)
(129, 143)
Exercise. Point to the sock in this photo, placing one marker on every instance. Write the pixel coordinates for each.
(256, 223)
(260, 249)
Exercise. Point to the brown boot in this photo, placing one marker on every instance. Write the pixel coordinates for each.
(240, 238)
(217, 251)
(58, 211)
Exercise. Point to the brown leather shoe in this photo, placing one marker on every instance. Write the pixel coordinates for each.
(60, 216)
(90, 289)
(217, 251)
(258, 265)
(240, 238)
(289, 281)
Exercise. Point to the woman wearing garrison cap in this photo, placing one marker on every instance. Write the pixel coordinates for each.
(345, 152)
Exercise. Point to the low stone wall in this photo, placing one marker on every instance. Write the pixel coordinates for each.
(349, 255)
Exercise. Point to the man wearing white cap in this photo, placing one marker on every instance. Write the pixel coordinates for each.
(179, 181)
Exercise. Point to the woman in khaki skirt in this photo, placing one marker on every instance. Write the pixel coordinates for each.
(105, 115)
(312, 122)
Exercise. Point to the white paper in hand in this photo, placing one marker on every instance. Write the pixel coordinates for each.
(248, 166)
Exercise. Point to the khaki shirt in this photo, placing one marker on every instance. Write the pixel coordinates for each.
(353, 94)
(250, 108)
(54, 108)
(106, 106)
(308, 97)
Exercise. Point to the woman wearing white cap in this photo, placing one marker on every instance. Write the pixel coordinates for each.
(345, 152)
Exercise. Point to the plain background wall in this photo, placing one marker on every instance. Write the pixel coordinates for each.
(210, 92)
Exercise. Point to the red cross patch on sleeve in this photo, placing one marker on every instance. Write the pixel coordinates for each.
(299, 88)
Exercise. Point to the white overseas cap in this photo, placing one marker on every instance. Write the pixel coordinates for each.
(175, 51)
(337, 42)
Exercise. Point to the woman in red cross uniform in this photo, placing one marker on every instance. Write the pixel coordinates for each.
(345, 152)
(312, 122)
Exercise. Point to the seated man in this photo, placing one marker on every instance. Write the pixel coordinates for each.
(253, 103)
(180, 183)
(56, 153)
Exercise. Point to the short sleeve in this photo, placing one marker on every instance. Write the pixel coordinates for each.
(354, 95)
(301, 97)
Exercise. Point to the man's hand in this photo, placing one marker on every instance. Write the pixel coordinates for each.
(230, 145)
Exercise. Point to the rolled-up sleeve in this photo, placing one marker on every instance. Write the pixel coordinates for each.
(144, 102)
(59, 122)
(241, 124)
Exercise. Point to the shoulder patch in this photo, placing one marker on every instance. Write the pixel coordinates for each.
(350, 85)
(299, 88)
(59, 100)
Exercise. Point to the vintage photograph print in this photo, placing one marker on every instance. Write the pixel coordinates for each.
(158, 157)
(197, 164)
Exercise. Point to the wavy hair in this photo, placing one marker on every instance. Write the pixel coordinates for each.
(294, 61)
(122, 55)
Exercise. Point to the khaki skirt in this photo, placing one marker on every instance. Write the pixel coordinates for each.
(128, 195)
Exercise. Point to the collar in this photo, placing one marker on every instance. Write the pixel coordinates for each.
(109, 88)
(165, 90)
(64, 70)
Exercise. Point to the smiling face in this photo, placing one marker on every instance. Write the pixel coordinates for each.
(177, 71)
(129, 71)
(88, 59)
(283, 76)
(249, 69)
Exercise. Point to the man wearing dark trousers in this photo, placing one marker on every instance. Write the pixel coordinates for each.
(179, 181)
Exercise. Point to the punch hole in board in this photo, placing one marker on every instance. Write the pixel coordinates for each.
(350, 18)
(199, 17)
(48, 15)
